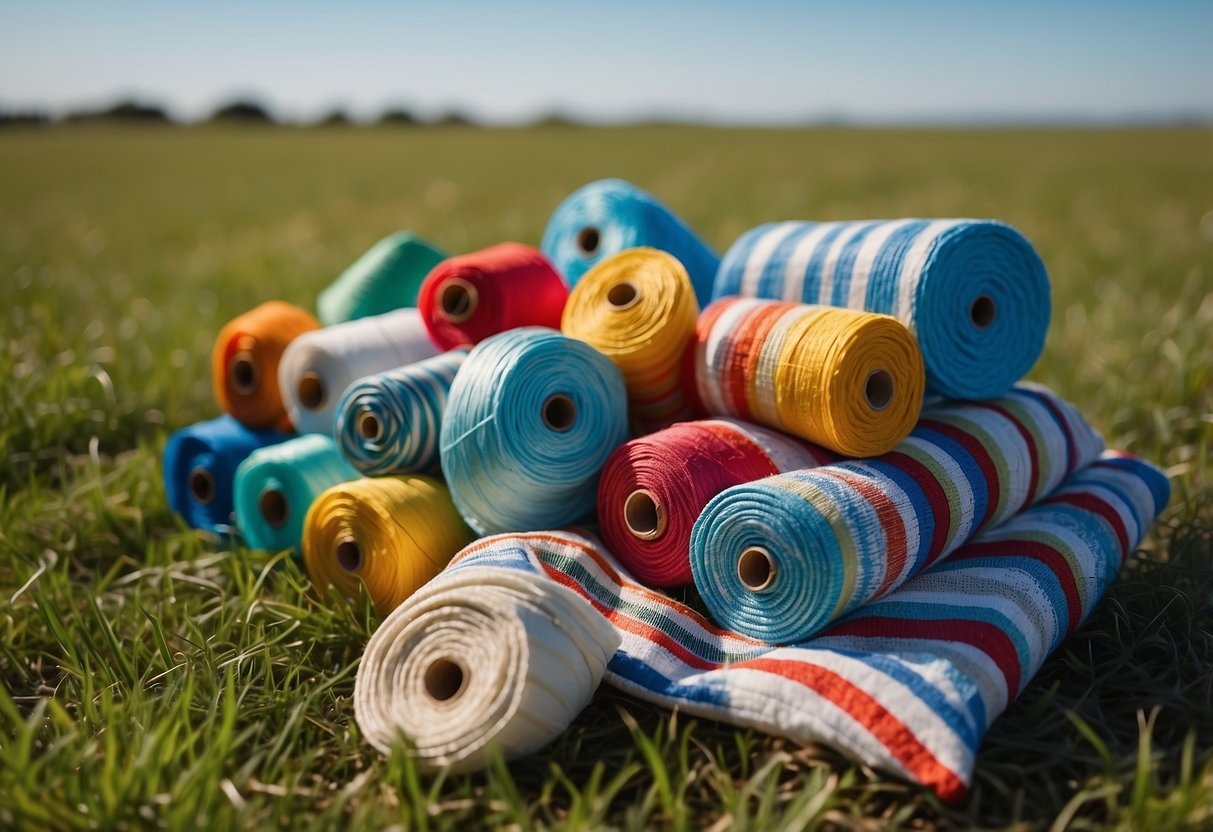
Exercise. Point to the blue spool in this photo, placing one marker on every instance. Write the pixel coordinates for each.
(611, 215)
(531, 419)
(974, 292)
(388, 423)
(199, 466)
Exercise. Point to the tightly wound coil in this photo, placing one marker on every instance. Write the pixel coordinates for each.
(385, 278)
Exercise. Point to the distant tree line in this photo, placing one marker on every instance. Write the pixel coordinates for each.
(243, 111)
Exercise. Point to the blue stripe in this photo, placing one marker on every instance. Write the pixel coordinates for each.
(886, 268)
(812, 271)
(845, 265)
(920, 506)
(969, 468)
(732, 267)
(774, 271)
(640, 673)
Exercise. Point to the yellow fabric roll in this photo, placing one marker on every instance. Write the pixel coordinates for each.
(638, 308)
(389, 535)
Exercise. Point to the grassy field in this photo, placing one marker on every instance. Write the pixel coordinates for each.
(154, 678)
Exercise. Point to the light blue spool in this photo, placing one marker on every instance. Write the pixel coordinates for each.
(974, 292)
(199, 466)
(388, 423)
(531, 419)
(611, 215)
(277, 485)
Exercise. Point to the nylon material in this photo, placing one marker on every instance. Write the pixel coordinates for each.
(387, 277)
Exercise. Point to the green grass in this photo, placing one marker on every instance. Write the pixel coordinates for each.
(155, 678)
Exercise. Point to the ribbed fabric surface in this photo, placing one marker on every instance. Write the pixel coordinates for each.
(532, 416)
(908, 684)
(608, 216)
(386, 536)
(385, 278)
(849, 381)
(388, 423)
(466, 299)
(318, 366)
(200, 464)
(653, 488)
(276, 486)
(779, 558)
(638, 308)
(974, 292)
(245, 359)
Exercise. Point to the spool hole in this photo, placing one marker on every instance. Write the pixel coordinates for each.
(623, 295)
(202, 485)
(879, 389)
(588, 240)
(756, 568)
(349, 555)
(643, 516)
(444, 680)
(983, 311)
(243, 373)
(311, 390)
(457, 300)
(273, 508)
(559, 412)
(369, 426)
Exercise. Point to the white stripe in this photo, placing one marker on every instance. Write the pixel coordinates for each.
(861, 269)
(909, 518)
(785, 453)
(760, 255)
(912, 266)
(763, 389)
(826, 288)
(798, 264)
(965, 510)
(715, 346)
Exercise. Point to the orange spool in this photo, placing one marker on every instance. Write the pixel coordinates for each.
(244, 362)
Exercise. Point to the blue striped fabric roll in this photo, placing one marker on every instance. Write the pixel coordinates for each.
(974, 292)
(608, 216)
(388, 423)
(781, 557)
(200, 464)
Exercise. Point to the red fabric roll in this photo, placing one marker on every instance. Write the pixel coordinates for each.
(465, 299)
(653, 488)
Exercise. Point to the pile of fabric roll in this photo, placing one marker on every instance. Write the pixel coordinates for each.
(513, 453)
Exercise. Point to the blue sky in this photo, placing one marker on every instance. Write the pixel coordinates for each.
(744, 62)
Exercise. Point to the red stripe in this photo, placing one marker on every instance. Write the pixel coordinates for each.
(890, 522)
(985, 637)
(1033, 455)
(981, 456)
(1094, 505)
(1048, 555)
(745, 346)
(937, 500)
(875, 718)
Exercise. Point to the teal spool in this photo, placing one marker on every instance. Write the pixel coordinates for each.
(531, 419)
(276, 486)
(386, 278)
(608, 216)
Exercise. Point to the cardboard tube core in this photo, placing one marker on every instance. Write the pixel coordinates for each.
(756, 568)
(273, 508)
(623, 296)
(369, 426)
(559, 412)
(444, 680)
(643, 515)
(311, 390)
(983, 311)
(202, 485)
(588, 240)
(878, 391)
(457, 300)
(349, 555)
(243, 373)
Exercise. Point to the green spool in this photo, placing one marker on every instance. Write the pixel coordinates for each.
(384, 279)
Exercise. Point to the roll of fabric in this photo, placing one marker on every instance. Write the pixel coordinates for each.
(638, 309)
(387, 536)
(908, 684)
(200, 464)
(653, 488)
(388, 423)
(465, 299)
(244, 362)
(532, 416)
(780, 558)
(317, 367)
(387, 277)
(276, 486)
(849, 381)
(483, 662)
(974, 292)
(608, 216)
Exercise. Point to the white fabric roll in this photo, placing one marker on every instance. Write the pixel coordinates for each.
(318, 366)
(482, 658)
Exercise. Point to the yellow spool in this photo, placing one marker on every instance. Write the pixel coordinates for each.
(638, 308)
(389, 535)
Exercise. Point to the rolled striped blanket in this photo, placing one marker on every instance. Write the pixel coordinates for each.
(908, 684)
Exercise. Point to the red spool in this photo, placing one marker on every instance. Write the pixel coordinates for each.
(653, 488)
(465, 299)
